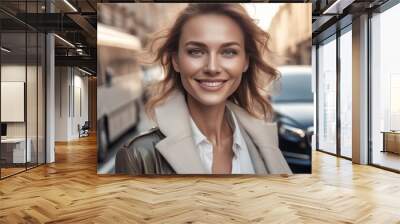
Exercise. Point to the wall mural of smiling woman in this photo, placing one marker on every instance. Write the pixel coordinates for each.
(210, 113)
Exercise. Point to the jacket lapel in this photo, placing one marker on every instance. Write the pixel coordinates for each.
(256, 158)
(264, 135)
(177, 147)
(181, 155)
(179, 150)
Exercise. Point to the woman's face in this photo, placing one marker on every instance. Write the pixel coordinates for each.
(211, 58)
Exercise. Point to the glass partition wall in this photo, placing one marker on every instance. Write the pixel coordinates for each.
(327, 95)
(334, 108)
(22, 88)
(13, 89)
(345, 62)
(385, 89)
(334, 90)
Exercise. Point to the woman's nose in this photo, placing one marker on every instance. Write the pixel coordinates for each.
(212, 67)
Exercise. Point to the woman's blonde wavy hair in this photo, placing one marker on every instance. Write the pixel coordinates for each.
(250, 94)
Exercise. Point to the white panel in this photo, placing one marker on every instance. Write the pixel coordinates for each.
(19, 155)
(12, 101)
(394, 102)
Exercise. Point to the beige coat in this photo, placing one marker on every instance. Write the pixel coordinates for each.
(179, 150)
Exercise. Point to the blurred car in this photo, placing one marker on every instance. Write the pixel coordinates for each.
(293, 102)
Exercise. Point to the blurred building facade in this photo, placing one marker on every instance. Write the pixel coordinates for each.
(290, 32)
(134, 18)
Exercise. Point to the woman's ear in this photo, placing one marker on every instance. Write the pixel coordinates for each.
(175, 61)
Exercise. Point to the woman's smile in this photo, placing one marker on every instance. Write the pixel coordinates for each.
(211, 84)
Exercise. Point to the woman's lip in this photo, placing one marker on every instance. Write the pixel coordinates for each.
(211, 80)
(211, 85)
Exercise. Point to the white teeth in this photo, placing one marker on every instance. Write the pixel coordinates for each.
(211, 84)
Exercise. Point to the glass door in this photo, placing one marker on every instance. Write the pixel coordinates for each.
(14, 154)
(385, 89)
(346, 92)
(327, 96)
(22, 88)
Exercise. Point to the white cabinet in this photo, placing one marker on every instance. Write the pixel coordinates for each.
(19, 155)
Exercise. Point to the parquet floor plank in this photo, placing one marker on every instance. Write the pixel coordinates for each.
(70, 191)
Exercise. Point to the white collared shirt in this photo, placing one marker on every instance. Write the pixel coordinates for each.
(241, 162)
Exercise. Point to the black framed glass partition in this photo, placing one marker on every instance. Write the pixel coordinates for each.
(385, 88)
(13, 109)
(334, 107)
(22, 78)
(377, 84)
(345, 93)
(326, 107)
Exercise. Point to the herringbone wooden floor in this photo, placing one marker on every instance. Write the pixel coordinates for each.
(70, 191)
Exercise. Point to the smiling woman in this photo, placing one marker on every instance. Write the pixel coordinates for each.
(211, 114)
(211, 59)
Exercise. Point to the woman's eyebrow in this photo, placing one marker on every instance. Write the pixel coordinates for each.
(231, 43)
(200, 44)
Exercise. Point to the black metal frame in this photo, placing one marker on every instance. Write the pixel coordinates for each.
(332, 37)
(339, 32)
(387, 5)
(316, 97)
(369, 78)
(44, 76)
(45, 89)
(0, 93)
(338, 98)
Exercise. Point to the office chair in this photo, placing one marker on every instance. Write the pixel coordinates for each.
(84, 130)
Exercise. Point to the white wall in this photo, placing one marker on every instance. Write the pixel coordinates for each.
(16, 73)
(79, 117)
(33, 126)
(50, 93)
(61, 103)
(68, 83)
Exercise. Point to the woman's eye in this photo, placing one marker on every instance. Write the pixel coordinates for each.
(195, 52)
(229, 52)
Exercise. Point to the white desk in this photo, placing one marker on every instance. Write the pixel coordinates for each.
(18, 149)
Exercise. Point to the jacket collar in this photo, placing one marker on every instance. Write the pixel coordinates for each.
(179, 149)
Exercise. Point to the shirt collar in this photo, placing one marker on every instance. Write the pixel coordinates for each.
(238, 142)
(237, 135)
(198, 137)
